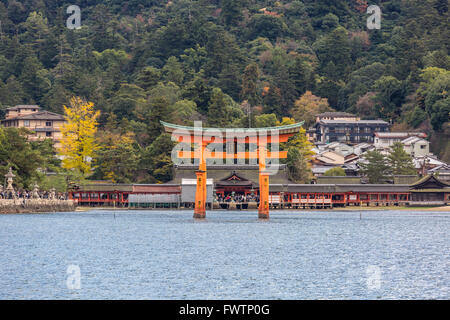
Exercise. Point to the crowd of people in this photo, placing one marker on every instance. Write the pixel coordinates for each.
(24, 194)
(238, 198)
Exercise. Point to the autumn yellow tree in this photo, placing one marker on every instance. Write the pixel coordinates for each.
(78, 142)
(299, 140)
(299, 155)
(307, 106)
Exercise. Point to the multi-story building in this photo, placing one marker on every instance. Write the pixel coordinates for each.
(384, 140)
(42, 124)
(349, 131)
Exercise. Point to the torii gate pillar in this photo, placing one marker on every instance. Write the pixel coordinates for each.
(263, 209)
(200, 192)
(200, 195)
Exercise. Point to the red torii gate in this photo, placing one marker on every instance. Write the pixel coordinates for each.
(261, 137)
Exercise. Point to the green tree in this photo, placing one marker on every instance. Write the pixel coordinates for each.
(173, 71)
(183, 111)
(155, 161)
(127, 98)
(273, 100)
(391, 95)
(265, 120)
(34, 79)
(267, 26)
(335, 172)
(334, 48)
(148, 78)
(298, 168)
(300, 74)
(433, 95)
(217, 110)
(16, 152)
(400, 162)
(374, 166)
(249, 89)
(11, 93)
(116, 158)
(231, 11)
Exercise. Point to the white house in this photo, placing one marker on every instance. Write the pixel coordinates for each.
(384, 140)
(416, 147)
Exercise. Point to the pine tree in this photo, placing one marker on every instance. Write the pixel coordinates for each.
(249, 89)
(173, 71)
(148, 78)
(399, 161)
(298, 167)
(375, 166)
(231, 10)
(217, 110)
(117, 157)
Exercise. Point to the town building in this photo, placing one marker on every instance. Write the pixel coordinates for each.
(349, 131)
(424, 165)
(384, 140)
(416, 147)
(42, 124)
(441, 171)
(430, 191)
(337, 116)
(21, 110)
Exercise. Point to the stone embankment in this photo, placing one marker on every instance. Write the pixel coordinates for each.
(35, 206)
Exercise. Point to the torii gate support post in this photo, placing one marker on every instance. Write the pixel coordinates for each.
(201, 192)
(263, 209)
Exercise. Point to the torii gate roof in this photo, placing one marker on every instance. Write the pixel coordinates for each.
(186, 130)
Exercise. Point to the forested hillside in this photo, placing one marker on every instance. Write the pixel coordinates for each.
(220, 61)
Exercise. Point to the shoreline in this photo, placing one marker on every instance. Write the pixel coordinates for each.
(341, 209)
(350, 209)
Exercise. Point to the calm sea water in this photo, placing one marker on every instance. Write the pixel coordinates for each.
(230, 255)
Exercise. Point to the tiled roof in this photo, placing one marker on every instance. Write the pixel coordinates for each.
(291, 128)
(336, 114)
(23, 106)
(399, 135)
(411, 140)
(354, 122)
(41, 115)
